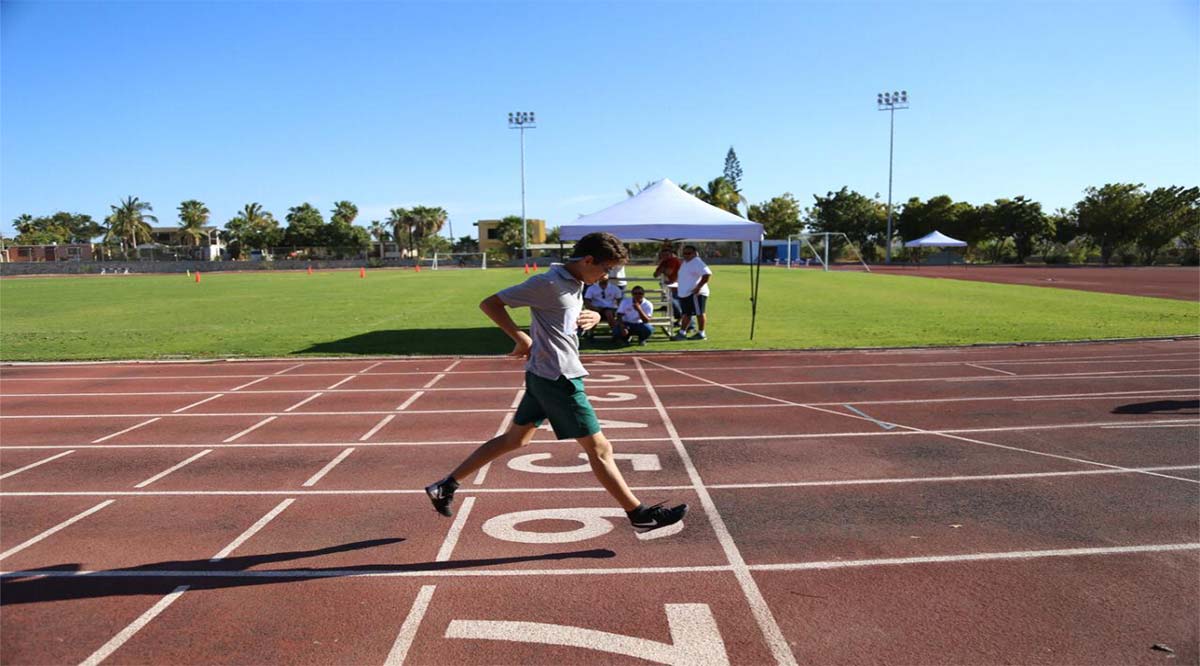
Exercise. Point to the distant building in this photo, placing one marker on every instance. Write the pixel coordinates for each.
(489, 239)
(64, 252)
(208, 249)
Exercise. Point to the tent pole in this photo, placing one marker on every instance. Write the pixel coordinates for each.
(754, 291)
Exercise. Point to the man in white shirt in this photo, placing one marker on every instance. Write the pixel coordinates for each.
(603, 297)
(693, 292)
(633, 317)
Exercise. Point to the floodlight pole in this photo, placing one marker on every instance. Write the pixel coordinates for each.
(522, 120)
(890, 102)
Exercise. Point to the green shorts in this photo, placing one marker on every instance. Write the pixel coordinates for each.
(561, 400)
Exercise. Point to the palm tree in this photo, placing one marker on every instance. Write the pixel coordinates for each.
(721, 193)
(193, 215)
(429, 220)
(401, 220)
(128, 223)
(378, 231)
(343, 212)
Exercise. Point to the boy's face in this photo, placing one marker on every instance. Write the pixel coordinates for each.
(591, 271)
(638, 295)
(688, 254)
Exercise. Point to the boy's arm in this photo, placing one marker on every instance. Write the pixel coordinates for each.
(495, 309)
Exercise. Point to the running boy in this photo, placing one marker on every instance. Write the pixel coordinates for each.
(554, 376)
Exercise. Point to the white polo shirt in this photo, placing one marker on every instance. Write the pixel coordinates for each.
(689, 276)
(603, 297)
(628, 311)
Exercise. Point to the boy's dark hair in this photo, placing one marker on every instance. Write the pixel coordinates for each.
(602, 247)
(690, 247)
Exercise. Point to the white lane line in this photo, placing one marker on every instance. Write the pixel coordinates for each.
(504, 424)
(435, 380)
(288, 369)
(599, 489)
(120, 639)
(882, 424)
(325, 470)
(984, 367)
(117, 641)
(260, 379)
(36, 464)
(252, 530)
(408, 630)
(339, 383)
(452, 365)
(370, 367)
(615, 571)
(1151, 425)
(122, 432)
(63, 525)
(198, 402)
(411, 399)
(378, 426)
(304, 401)
(941, 433)
(251, 429)
(977, 557)
(758, 604)
(460, 521)
(167, 471)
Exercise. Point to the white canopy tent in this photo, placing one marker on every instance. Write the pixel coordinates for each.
(935, 239)
(663, 212)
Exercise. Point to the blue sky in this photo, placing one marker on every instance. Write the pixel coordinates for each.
(398, 104)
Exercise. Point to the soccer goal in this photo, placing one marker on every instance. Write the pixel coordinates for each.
(459, 260)
(821, 250)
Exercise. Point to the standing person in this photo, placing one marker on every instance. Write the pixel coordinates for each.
(668, 269)
(554, 377)
(633, 317)
(603, 297)
(693, 292)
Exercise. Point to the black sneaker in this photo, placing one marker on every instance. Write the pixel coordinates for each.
(654, 517)
(442, 496)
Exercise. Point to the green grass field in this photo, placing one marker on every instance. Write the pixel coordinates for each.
(401, 312)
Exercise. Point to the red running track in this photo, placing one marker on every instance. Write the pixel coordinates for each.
(984, 505)
(1178, 282)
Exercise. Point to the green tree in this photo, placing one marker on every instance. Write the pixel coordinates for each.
(1166, 213)
(508, 232)
(940, 213)
(863, 220)
(193, 215)
(343, 212)
(379, 232)
(779, 216)
(129, 223)
(465, 244)
(252, 228)
(733, 169)
(1023, 221)
(305, 227)
(403, 225)
(1109, 215)
(429, 221)
(721, 193)
(637, 189)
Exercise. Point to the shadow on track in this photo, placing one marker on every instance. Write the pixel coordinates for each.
(160, 578)
(1160, 406)
(484, 340)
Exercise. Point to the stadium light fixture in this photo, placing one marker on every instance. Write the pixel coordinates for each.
(523, 120)
(895, 101)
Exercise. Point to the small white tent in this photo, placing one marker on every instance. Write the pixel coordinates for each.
(663, 212)
(935, 239)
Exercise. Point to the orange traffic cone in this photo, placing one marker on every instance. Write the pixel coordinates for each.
(533, 267)
(527, 269)
(418, 267)
(362, 272)
(197, 276)
(310, 269)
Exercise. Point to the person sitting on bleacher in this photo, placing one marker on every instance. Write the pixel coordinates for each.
(633, 318)
(603, 297)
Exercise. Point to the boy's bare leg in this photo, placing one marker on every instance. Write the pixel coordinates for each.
(701, 321)
(600, 457)
(512, 439)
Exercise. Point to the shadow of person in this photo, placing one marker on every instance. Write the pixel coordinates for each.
(1159, 407)
(64, 582)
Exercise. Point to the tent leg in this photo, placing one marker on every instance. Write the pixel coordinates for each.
(754, 290)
